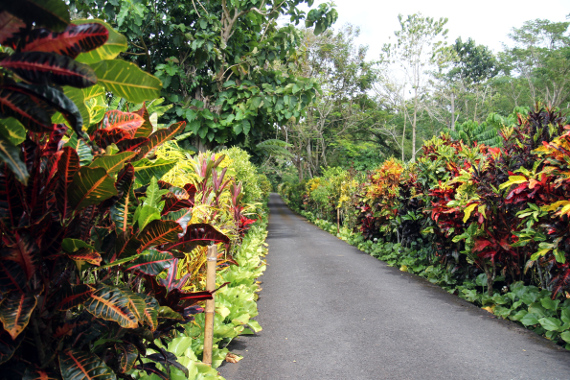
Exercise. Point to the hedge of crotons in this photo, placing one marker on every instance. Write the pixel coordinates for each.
(497, 212)
(97, 253)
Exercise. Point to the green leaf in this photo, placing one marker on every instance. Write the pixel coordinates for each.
(111, 304)
(73, 245)
(127, 80)
(10, 154)
(550, 324)
(565, 336)
(83, 365)
(165, 312)
(116, 44)
(159, 232)
(90, 186)
(15, 312)
(529, 319)
(112, 164)
(12, 130)
(145, 214)
(146, 169)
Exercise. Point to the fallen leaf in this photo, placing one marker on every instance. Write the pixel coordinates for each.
(233, 358)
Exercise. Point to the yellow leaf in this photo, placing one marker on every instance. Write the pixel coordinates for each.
(490, 309)
(513, 180)
(404, 268)
(555, 205)
(468, 210)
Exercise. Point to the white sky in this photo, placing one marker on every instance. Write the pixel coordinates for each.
(488, 22)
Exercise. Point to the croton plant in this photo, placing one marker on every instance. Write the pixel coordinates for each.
(90, 237)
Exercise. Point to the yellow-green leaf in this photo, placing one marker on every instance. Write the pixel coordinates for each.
(127, 80)
(513, 180)
(468, 210)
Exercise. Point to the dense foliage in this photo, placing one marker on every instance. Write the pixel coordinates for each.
(471, 216)
(100, 265)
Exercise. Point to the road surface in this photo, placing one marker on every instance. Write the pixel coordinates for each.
(330, 311)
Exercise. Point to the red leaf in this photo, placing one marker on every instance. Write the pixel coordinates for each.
(481, 245)
(131, 145)
(106, 137)
(75, 295)
(24, 253)
(198, 234)
(127, 121)
(29, 112)
(46, 68)
(74, 40)
(67, 166)
(9, 26)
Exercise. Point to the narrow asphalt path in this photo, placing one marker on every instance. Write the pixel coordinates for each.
(329, 311)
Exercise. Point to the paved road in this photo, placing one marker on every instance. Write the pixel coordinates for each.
(329, 311)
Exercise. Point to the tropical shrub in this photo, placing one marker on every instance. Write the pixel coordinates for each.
(90, 237)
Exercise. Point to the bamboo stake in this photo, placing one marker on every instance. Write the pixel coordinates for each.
(210, 305)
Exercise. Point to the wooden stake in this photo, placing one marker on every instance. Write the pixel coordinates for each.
(210, 305)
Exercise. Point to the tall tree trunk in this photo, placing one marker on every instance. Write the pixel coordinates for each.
(404, 136)
(414, 123)
(452, 126)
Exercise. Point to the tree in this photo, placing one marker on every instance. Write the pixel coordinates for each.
(419, 46)
(228, 68)
(344, 77)
(540, 59)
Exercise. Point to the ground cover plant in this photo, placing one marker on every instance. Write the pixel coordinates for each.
(489, 224)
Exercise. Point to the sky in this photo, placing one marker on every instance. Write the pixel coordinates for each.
(488, 22)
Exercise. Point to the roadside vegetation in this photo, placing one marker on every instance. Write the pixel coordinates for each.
(133, 134)
(489, 224)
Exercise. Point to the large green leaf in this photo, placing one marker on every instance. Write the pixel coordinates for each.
(159, 232)
(10, 154)
(151, 262)
(136, 303)
(112, 304)
(90, 186)
(78, 365)
(53, 14)
(116, 44)
(112, 164)
(146, 169)
(15, 312)
(12, 130)
(127, 80)
(160, 137)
